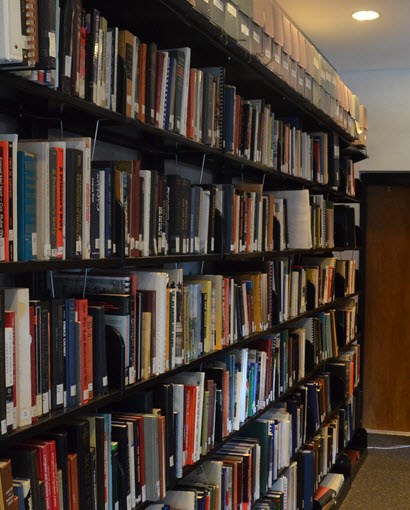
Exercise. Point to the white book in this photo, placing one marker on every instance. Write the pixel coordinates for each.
(333, 481)
(183, 500)
(298, 217)
(17, 300)
(150, 280)
(102, 214)
(11, 39)
(41, 150)
(10, 420)
(194, 379)
(146, 191)
(198, 106)
(84, 144)
(114, 66)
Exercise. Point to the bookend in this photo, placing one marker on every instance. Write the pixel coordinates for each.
(115, 348)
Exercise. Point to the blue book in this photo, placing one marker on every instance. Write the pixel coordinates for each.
(71, 354)
(26, 206)
(308, 462)
(19, 492)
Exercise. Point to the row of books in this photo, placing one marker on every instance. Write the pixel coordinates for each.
(160, 214)
(310, 283)
(115, 70)
(140, 447)
(95, 61)
(159, 320)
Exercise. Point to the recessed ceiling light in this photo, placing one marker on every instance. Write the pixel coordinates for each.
(365, 15)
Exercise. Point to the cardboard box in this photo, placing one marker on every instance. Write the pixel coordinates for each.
(269, 27)
(244, 31)
(302, 51)
(293, 73)
(278, 25)
(308, 87)
(316, 93)
(231, 19)
(294, 35)
(301, 80)
(285, 67)
(256, 39)
(276, 58)
(218, 12)
(266, 57)
(316, 64)
(363, 121)
(246, 7)
(258, 12)
(204, 7)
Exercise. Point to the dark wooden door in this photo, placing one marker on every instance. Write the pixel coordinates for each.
(387, 308)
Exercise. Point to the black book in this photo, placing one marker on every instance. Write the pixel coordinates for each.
(175, 217)
(61, 440)
(45, 353)
(25, 465)
(99, 464)
(151, 83)
(119, 434)
(74, 186)
(100, 376)
(163, 398)
(47, 34)
(66, 46)
(57, 317)
(345, 228)
(92, 49)
(333, 159)
(78, 435)
(153, 247)
(218, 74)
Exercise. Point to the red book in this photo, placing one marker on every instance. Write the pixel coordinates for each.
(226, 320)
(52, 455)
(44, 470)
(189, 422)
(81, 308)
(90, 373)
(60, 203)
(72, 468)
(33, 364)
(142, 64)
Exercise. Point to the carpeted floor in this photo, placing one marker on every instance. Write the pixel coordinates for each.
(383, 482)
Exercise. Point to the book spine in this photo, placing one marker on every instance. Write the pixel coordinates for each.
(57, 354)
(95, 213)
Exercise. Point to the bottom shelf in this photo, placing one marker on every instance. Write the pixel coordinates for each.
(348, 482)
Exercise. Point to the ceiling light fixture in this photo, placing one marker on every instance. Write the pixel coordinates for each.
(365, 15)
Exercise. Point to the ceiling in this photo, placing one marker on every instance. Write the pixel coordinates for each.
(352, 45)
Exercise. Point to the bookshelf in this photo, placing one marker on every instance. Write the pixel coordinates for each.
(36, 109)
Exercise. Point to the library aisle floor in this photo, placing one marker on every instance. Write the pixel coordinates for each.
(383, 482)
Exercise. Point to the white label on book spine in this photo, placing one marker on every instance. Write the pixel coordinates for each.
(78, 246)
(45, 403)
(219, 5)
(90, 387)
(2, 254)
(67, 66)
(232, 10)
(34, 243)
(47, 250)
(3, 427)
(60, 394)
(73, 390)
(171, 461)
(129, 502)
(245, 30)
(97, 243)
(105, 381)
(52, 42)
(60, 251)
(85, 394)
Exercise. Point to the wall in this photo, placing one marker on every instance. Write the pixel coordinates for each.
(386, 96)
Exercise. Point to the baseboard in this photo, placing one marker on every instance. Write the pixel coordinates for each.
(388, 432)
